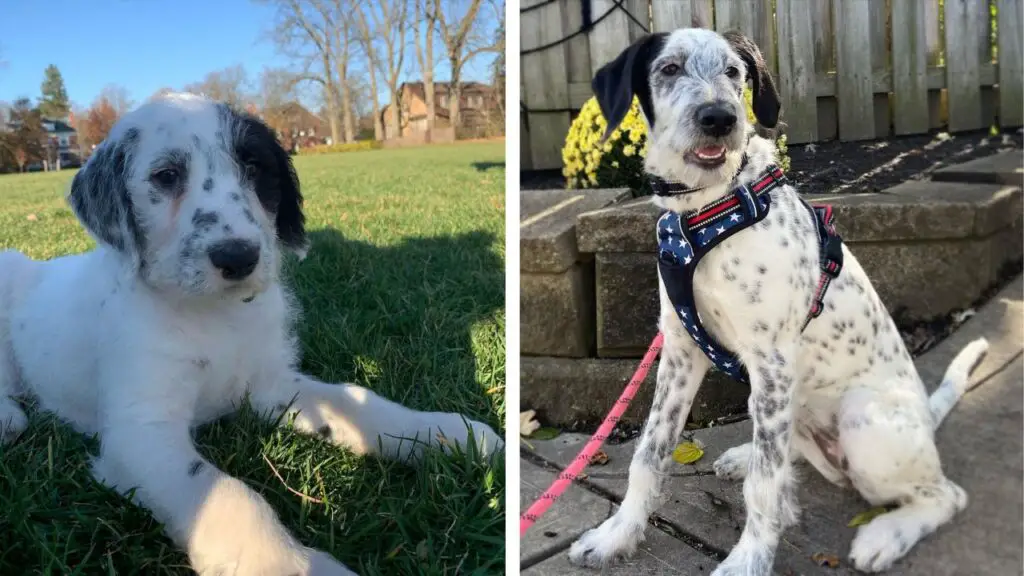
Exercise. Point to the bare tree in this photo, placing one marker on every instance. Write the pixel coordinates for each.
(462, 42)
(385, 45)
(230, 85)
(118, 97)
(425, 55)
(319, 35)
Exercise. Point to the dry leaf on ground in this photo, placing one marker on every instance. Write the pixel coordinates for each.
(829, 560)
(600, 458)
(687, 453)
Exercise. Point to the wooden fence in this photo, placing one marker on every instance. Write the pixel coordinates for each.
(896, 66)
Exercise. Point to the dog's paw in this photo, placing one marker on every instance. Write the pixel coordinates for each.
(732, 464)
(879, 544)
(746, 560)
(452, 430)
(610, 542)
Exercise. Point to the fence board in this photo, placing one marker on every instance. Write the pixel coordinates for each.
(1011, 63)
(669, 16)
(764, 33)
(933, 41)
(609, 37)
(824, 57)
(704, 14)
(544, 83)
(879, 40)
(578, 48)
(641, 10)
(909, 67)
(963, 93)
(797, 71)
(853, 62)
(988, 94)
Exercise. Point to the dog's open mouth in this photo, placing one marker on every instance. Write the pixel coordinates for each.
(707, 156)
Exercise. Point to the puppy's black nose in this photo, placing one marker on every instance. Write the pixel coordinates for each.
(236, 259)
(715, 119)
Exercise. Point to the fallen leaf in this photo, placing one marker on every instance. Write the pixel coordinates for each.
(822, 559)
(866, 516)
(391, 555)
(31, 217)
(687, 453)
(527, 423)
(422, 551)
(545, 433)
(600, 458)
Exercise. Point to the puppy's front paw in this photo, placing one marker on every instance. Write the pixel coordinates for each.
(878, 545)
(454, 430)
(732, 464)
(613, 540)
(743, 561)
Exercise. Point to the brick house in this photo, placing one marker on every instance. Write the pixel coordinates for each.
(479, 110)
(60, 145)
(296, 127)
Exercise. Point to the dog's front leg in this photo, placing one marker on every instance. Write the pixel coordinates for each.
(769, 489)
(224, 526)
(680, 371)
(356, 418)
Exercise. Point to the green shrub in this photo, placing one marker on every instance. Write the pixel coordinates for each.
(619, 162)
(347, 147)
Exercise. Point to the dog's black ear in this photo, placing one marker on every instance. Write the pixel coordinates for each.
(100, 199)
(618, 81)
(276, 183)
(766, 97)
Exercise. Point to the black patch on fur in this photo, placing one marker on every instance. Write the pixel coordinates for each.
(204, 219)
(195, 467)
(266, 164)
(208, 184)
(765, 96)
(618, 81)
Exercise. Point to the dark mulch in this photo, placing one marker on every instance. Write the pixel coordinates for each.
(859, 167)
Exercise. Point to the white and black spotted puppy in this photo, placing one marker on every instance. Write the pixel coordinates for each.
(176, 317)
(842, 394)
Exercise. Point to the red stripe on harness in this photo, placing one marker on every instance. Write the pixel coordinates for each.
(695, 220)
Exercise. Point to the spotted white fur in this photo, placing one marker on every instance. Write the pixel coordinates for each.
(843, 395)
(144, 338)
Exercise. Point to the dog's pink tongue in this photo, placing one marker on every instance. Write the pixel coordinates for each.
(711, 151)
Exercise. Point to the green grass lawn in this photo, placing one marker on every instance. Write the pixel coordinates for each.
(402, 292)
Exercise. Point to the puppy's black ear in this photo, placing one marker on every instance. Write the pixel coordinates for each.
(100, 199)
(618, 81)
(766, 98)
(290, 221)
(275, 182)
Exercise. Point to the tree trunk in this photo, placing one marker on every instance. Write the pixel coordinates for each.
(346, 103)
(332, 101)
(455, 93)
(378, 128)
(395, 111)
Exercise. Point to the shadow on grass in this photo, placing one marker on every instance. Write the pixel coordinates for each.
(485, 166)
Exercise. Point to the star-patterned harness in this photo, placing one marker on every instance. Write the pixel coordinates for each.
(684, 239)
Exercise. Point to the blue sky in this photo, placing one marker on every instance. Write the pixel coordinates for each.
(142, 45)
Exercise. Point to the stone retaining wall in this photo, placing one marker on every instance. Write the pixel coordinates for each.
(589, 296)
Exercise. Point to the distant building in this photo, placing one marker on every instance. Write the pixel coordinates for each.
(478, 109)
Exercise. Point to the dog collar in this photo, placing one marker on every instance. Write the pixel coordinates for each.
(663, 187)
(684, 239)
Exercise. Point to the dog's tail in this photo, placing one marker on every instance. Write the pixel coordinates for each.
(954, 383)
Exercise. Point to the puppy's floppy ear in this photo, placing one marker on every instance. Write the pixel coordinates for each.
(618, 81)
(290, 221)
(766, 98)
(99, 196)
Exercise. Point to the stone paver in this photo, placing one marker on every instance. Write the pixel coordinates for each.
(981, 447)
(1002, 168)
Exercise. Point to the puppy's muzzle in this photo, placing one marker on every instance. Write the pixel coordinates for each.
(715, 119)
(236, 259)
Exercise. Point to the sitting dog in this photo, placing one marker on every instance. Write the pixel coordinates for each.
(838, 390)
(176, 317)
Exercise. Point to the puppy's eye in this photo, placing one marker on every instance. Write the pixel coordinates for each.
(732, 72)
(670, 70)
(165, 178)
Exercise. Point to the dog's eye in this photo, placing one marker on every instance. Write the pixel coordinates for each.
(670, 70)
(165, 178)
(732, 72)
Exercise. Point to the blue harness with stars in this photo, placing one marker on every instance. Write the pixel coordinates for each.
(683, 239)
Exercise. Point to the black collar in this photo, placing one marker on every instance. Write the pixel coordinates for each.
(662, 187)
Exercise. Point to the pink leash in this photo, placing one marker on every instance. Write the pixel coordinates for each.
(558, 487)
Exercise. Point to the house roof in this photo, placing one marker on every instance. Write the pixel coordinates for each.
(59, 126)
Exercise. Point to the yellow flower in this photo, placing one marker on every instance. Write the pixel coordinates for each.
(628, 150)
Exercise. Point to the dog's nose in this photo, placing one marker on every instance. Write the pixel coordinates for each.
(236, 259)
(715, 119)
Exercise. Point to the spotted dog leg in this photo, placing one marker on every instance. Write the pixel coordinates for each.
(768, 490)
(356, 418)
(680, 371)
